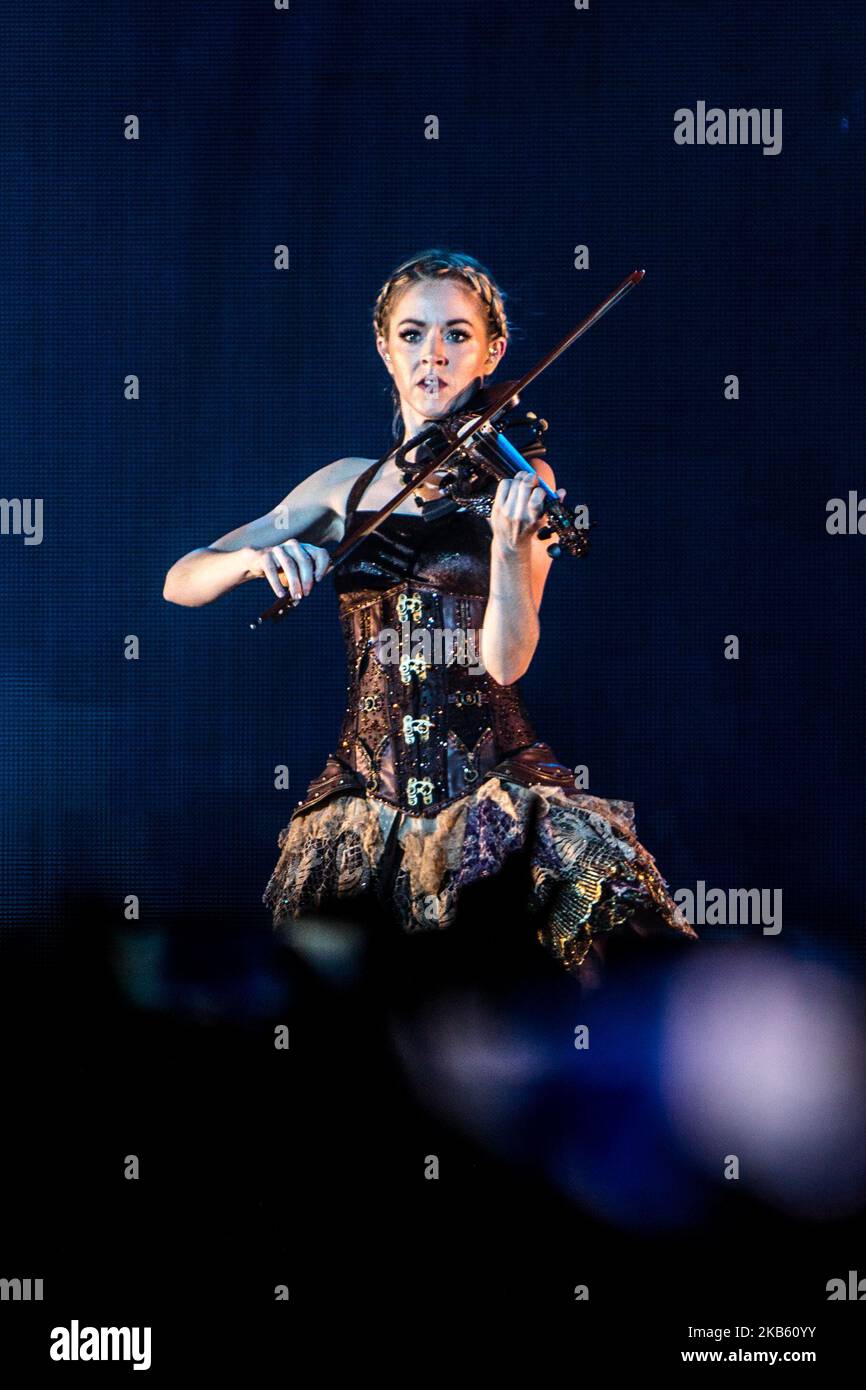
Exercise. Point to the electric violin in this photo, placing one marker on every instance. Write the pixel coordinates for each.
(468, 448)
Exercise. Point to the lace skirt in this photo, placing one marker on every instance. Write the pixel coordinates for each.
(590, 875)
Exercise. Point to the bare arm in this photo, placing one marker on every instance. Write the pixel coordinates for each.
(519, 565)
(308, 513)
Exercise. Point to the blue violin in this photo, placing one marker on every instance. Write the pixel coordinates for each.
(470, 447)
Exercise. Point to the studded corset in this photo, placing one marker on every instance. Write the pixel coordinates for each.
(424, 722)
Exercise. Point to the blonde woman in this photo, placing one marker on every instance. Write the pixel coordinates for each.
(437, 776)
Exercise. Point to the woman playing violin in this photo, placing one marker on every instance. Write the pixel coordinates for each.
(438, 776)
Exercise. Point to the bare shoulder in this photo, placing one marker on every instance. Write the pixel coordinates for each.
(327, 490)
(334, 475)
(342, 475)
(314, 509)
(327, 487)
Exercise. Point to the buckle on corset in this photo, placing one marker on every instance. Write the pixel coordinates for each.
(409, 606)
(408, 664)
(424, 785)
(463, 698)
(411, 727)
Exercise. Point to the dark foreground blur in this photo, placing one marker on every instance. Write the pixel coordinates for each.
(565, 1158)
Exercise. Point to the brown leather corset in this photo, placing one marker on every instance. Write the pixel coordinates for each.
(424, 722)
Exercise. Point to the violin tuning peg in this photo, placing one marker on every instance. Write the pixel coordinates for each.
(554, 551)
(544, 532)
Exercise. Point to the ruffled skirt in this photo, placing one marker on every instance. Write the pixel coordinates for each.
(590, 875)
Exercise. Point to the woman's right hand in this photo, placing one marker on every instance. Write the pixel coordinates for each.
(302, 564)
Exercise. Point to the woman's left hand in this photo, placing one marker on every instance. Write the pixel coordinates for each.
(517, 513)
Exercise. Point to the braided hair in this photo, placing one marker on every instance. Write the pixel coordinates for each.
(431, 265)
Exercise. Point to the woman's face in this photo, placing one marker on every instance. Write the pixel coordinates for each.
(438, 329)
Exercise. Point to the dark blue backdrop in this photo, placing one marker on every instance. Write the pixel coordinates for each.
(306, 127)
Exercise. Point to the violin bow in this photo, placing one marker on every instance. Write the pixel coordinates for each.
(477, 425)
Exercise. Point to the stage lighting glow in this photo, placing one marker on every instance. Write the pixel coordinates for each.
(763, 1062)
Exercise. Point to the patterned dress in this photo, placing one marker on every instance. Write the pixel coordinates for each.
(438, 775)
